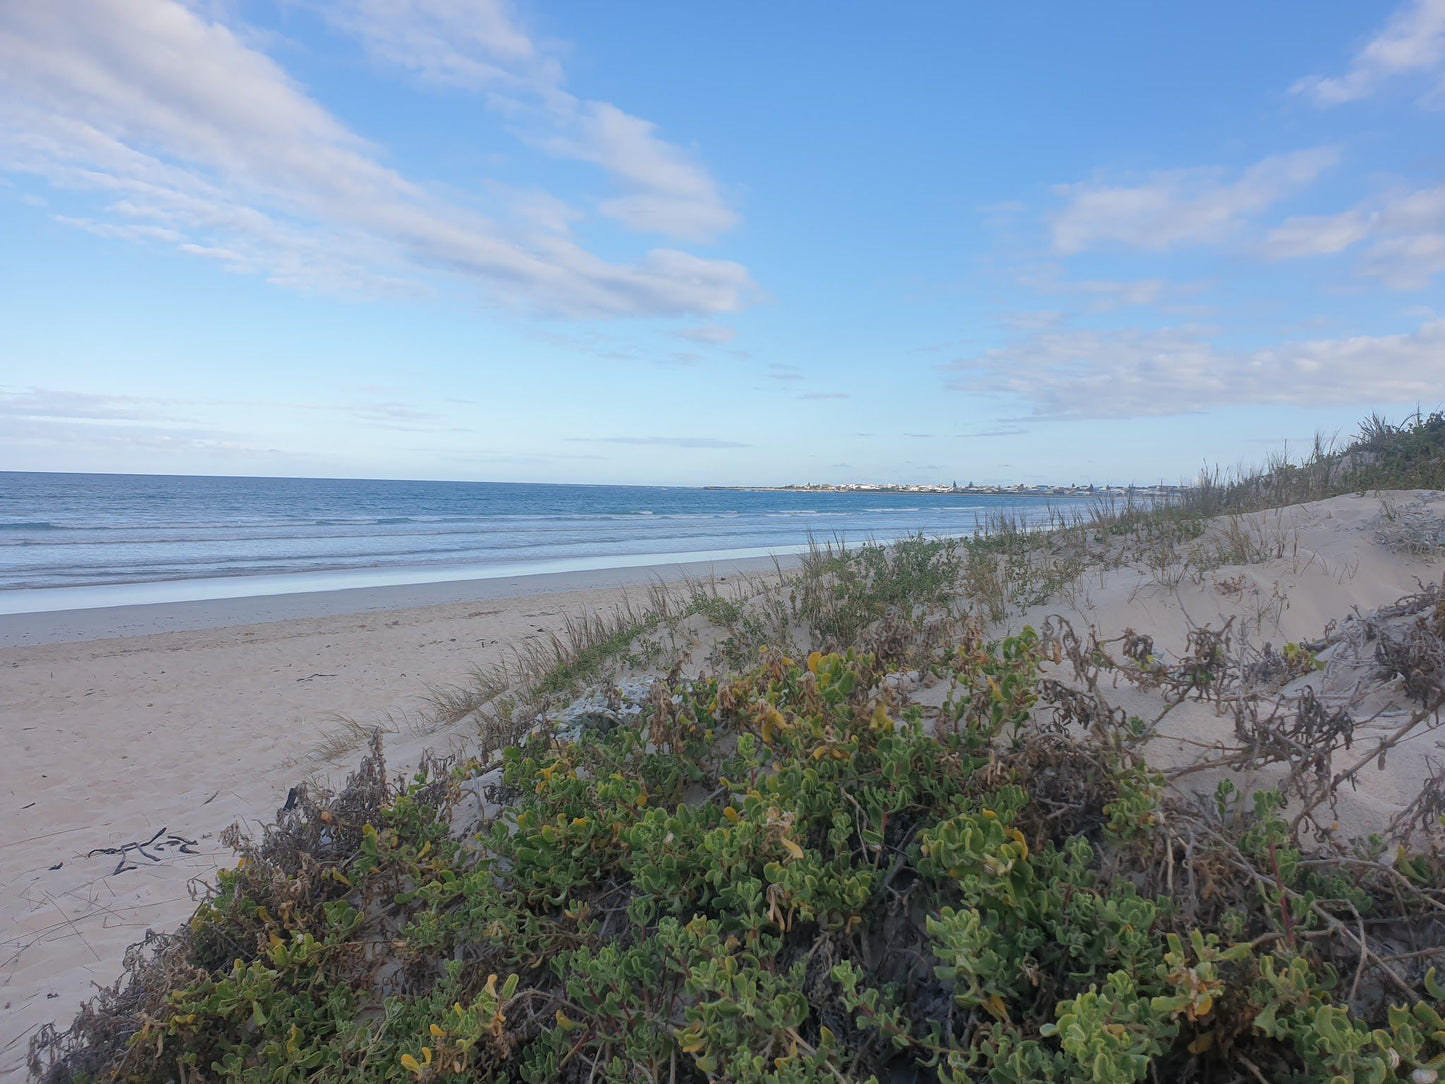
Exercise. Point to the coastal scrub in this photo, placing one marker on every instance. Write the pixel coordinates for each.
(789, 874)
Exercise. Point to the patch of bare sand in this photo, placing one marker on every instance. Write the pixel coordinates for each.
(1307, 568)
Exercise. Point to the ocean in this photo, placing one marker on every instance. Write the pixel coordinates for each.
(73, 540)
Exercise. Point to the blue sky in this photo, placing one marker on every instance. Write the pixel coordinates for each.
(747, 243)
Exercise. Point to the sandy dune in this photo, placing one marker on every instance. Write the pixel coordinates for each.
(1315, 564)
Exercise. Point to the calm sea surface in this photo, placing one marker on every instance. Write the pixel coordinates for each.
(97, 539)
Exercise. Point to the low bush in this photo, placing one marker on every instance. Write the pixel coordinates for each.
(785, 875)
(841, 592)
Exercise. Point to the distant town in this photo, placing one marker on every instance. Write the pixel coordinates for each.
(1154, 491)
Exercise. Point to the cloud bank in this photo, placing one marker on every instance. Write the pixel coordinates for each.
(1129, 373)
(189, 137)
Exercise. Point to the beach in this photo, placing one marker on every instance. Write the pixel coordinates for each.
(167, 723)
(177, 653)
(533, 551)
(139, 734)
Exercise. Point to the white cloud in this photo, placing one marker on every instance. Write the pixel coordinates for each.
(1413, 41)
(1101, 296)
(1132, 373)
(1032, 319)
(1115, 294)
(123, 232)
(540, 209)
(1407, 263)
(1403, 233)
(460, 43)
(480, 45)
(1320, 235)
(1176, 208)
(716, 334)
(666, 193)
(183, 127)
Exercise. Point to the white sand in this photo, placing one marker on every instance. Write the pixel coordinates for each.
(1330, 564)
(191, 716)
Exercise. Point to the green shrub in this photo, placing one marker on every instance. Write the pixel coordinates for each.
(791, 875)
(841, 592)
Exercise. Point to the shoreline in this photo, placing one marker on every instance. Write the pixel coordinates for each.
(86, 623)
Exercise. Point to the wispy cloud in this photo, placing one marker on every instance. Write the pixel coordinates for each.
(478, 44)
(1411, 43)
(1110, 294)
(1404, 234)
(1132, 373)
(1181, 207)
(1011, 431)
(1032, 319)
(74, 436)
(483, 46)
(51, 418)
(185, 131)
(786, 373)
(666, 442)
(1098, 295)
(818, 395)
(508, 456)
(179, 418)
(665, 191)
(716, 334)
(398, 417)
(393, 412)
(45, 404)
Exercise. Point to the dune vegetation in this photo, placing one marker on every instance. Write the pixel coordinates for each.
(857, 822)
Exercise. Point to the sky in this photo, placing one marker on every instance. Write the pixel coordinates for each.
(714, 243)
